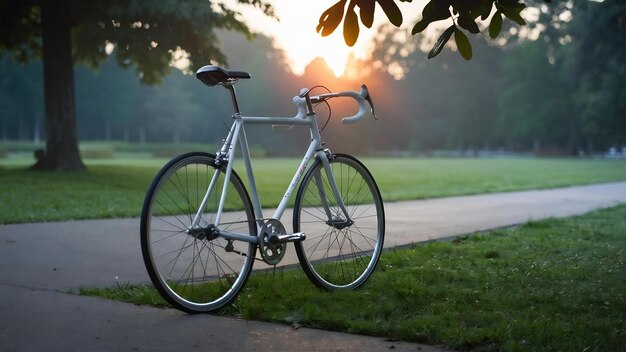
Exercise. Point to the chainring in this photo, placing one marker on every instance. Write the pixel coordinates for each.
(272, 254)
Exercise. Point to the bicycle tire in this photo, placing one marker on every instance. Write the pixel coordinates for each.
(335, 255)
(193, 272)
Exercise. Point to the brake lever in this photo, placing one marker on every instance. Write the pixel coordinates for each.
(368, 97)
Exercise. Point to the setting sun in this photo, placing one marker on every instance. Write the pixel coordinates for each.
(295, 34)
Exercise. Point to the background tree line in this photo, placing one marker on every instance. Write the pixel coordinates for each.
(562, 92)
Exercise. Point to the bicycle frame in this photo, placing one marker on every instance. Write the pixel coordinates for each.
(226, 155)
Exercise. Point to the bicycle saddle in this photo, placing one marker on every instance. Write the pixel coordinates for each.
(213, 75)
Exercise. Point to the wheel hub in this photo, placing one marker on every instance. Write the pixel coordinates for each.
(339, 223)
(204, 233)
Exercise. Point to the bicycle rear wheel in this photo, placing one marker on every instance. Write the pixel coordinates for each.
(193, 270)
(339, 253)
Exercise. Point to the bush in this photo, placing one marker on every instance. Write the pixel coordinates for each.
(166, 153)
(19, 147)
(97, 153)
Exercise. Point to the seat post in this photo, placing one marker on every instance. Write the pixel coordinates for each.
(233, 96)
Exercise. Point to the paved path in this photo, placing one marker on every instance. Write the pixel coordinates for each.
(40, 261)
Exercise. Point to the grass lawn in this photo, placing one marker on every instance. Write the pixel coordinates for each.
(557, 284)
(116, 187)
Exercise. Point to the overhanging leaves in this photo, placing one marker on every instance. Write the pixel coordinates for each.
(367, 12)
(468, 24)
(331, 18)
(463, 12)
(433, 11)
(512, 12)
(496, 25)
(465, 48)
(485, 9)
(441, 42)
(392, 11)
(351, 27)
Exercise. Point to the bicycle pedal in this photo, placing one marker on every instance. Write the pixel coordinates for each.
(294, 237)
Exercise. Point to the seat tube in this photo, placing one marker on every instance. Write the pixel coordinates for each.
(229, 171)
(231, 144)
(245, 151)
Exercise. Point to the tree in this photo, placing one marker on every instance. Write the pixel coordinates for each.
(107, 100)
(533, 110)
(149, 35)
(596, 72)
(576, 69)
(464, 14)
(21, 99)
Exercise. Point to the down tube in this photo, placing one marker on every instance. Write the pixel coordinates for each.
(296, 178)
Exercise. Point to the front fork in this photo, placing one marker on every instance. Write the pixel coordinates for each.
(333, 220)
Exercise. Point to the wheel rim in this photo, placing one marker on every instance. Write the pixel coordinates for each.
(338, 254)
(193, 271)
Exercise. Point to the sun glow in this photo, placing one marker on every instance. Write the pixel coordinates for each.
(295, 34)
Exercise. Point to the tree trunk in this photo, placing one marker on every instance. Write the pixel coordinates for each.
(61, 152)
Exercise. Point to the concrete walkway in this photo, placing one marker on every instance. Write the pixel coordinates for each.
(39, 262)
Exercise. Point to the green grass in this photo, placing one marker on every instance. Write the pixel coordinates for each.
(103, 192)
(116, 187)
(403, 179)
(557, 284)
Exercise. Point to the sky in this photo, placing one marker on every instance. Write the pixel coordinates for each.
(295, 32)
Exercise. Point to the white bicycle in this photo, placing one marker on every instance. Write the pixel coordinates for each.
(200, 228)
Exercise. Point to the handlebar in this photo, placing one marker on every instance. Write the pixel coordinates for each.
(360, 97)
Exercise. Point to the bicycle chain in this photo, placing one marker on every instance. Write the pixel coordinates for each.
(229, 246)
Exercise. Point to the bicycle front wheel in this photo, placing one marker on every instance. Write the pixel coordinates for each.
(194, 270)
(339, 253)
